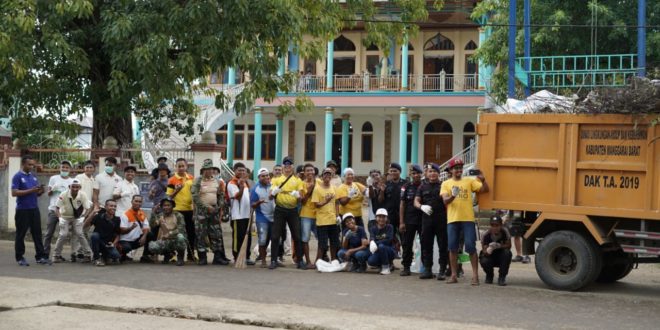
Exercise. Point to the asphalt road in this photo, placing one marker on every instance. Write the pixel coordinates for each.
(526, 302)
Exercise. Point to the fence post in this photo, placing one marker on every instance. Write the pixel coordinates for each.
(207, 148)
(443, 74)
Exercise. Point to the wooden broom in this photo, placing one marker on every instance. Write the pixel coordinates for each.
(240, 260)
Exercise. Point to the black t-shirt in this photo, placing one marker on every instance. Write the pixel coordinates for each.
(108, 229)
(429, 193)
(393, 198)
(412, 215)
(502, 238)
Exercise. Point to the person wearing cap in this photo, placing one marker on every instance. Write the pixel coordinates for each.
(208, 198)
(391, 198)
(57, 184)
(171, 237)
(107, 181)
(350, 195)
(410, 218)
(327, 215)
(355, 246)
(336, 179)
(238, 189)
(106, 232)
(457, 196)
(264, 208)
(179, 188)
(375, 185)
(308, 210)
(496, 251)
(72, 208)
(87, 185)
(287, 192)
(133, 229)
(155, 172)
(125, 190)
(382, 243)
(158, 186)
(434, 222)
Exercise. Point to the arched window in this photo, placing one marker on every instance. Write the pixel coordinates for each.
(367, 142)
(342, 44)
(468, 128)
(471, 46)
(468, 134)
(439, 42)
(310, 142)
(410, 47)
(438, 126)
(372, 47)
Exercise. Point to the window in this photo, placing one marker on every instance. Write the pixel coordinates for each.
(468, 134)
(372, 47)
(367, 142)
(336, 141)
(238, 146)
(410, 47)
(409, 143)
(439, 42)
(471, 46)
(267, 146)
(372, 64)
(342, 44)
(221, 138)
(438, 126)
(310, 142)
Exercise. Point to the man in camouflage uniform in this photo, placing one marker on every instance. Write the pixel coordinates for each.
(171, 232)
(207, 194)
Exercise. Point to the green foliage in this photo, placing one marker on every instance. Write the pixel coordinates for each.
(555, 39)
(59, 59)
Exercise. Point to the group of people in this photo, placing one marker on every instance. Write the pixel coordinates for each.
(187, 214)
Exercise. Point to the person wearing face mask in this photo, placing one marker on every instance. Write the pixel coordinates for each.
(125, 190)
(56, 186)
(72, 208)
(107, 181)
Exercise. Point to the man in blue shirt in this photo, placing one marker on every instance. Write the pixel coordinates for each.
(264, 208)
(381, 245)
(355, 245)
(26, 188)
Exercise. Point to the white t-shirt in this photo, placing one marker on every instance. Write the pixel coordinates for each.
(107, 185)
(239, 209)
(87, 184)
(57, 185)
(126, 190)
(133, 234)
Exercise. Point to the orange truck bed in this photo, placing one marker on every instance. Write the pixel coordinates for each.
(593, 165)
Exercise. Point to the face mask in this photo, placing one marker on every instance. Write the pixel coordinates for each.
(109, 169)
(64, 173)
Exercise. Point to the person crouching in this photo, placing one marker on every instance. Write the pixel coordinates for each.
(171, 234)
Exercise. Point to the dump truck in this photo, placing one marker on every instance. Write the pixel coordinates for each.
(591, 182)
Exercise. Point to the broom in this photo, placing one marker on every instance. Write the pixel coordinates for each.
(240, 260)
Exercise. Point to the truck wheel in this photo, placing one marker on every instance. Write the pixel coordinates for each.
(566, 260)
(616, 265)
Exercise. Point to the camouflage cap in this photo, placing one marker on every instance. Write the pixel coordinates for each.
(207, 164)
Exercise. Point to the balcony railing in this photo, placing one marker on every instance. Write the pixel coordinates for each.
(391, 83)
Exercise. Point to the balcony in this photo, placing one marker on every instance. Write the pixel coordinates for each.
(437, 83)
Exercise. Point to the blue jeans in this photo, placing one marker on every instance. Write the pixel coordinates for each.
(382, 257)
(99, 248)
(454, 230)
(306, 225)
(264, 232)
(359, 257)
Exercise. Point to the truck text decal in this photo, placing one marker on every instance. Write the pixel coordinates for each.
(610, 181)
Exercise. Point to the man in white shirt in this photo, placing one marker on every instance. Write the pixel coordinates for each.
(125, 190)
(56, 186)
(107, 181)
(239, 195)
(87, 185)
(134, 228)
(72, 207)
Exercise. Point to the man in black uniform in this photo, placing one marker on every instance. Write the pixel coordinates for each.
(410, 218)
(434, 223)
(391, 199)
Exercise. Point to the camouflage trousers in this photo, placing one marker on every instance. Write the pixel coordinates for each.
(207, 226)
(169, 246)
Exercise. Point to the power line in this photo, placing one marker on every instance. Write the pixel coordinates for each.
(506, 25)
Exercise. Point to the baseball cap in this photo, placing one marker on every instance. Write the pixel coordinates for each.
(331, 163)
(455, 162)
(347, 215)
(65, 162)
(396, 166)
(433, 166)
(381, 211)
(75, 181)
(416, 168)
(327, 170)
(496, 219)
(287, 161)
(262, 171)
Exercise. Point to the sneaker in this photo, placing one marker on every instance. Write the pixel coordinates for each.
(354, 267)
(86, 259)
(249, 262)
(44, 261)
(99, 263)
(426, 275)
(501, 281)
(362, 269)
(23, 262)
(385, 270)
(58, 259)
(441, 276)
(405, 271)
(273, 265)
(301, 265)
(526, 260)
(517, 258)
(489, 279)
(73, 258)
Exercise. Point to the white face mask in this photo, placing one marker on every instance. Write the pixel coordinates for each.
(109, 169)
(64, 173)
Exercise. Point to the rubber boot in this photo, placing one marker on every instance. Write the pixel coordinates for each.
(180, 258)
(202, 259)
(222, 257)
(218, 260)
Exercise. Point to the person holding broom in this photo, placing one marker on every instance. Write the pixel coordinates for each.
(239, 195)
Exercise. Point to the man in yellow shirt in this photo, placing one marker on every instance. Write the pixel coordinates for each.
(287, 190)
(327, 216)
(308, 211)
(350, 195)
(179, 189)
(456, 193)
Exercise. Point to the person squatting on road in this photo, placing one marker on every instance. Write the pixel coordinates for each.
(134, 229)
(496, 251)
(457, 196)
(434, 222)
(264, 208)
(382, 244)
(171, 237)
(106, 233)
(410, 218)
(71, 209)
(208, 197)
(355, 246)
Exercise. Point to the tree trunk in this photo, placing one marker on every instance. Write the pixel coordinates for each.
(119, 126)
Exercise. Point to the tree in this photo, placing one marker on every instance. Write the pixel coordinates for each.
(59, 59)
(614, 21)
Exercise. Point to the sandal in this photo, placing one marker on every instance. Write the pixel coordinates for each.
(452, 280)
(475, 282)
(311, 266)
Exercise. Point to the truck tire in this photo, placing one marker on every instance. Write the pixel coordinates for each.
(567, 260)
(616, 265)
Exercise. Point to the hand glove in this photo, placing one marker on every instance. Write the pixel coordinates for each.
(352, 193)
(295, 194)
(373, 247)
(348, 234)
(427, 209)
(338, 220)
(370, 181)
(366, 192)
(275, 191)
(495, 245)
(489, 250)
(455, 191)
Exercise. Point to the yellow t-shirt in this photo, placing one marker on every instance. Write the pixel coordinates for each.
(355, 204)
(183, 198)
(461, 208)
(284, 198)
(326, 214)
(308, 210)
